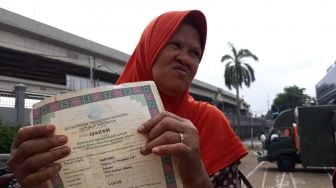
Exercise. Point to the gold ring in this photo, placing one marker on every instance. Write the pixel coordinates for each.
(181, 137)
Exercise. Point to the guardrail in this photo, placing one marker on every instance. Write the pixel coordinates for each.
(7, 98)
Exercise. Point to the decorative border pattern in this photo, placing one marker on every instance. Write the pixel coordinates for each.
(101, 96)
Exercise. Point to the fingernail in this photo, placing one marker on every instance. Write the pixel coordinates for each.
(63, 151)
(141, 128)
(50, 128)
(57, 166)
(142, 150)
(62, 139)
(155, 150)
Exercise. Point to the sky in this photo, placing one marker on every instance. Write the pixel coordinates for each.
(295, 40)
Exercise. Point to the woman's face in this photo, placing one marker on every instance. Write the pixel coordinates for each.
(177, 63)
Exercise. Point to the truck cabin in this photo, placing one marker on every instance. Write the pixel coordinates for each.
(280, 134)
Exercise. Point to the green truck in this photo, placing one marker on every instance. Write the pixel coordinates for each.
(305, 135)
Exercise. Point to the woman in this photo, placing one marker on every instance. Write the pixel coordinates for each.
(168, 54)
(195, 133)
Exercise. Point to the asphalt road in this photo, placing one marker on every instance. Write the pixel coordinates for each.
(266, 175)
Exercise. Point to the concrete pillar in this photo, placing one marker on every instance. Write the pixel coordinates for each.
(20, 102)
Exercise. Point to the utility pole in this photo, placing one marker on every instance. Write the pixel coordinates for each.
(92, 71)
(251, 129)
(267, 103)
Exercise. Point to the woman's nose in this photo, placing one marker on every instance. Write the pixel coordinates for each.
(183, 57)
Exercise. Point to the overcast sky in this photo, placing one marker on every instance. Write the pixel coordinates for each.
(295, 40)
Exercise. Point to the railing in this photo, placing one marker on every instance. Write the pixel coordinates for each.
(7, 98)
(248, 126)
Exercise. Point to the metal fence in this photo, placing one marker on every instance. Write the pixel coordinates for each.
(7, 98)
(248, 126)
(15, 105)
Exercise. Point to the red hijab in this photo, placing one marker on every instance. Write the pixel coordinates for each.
(220, 147)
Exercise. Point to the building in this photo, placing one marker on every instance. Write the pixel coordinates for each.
(49, 61)
(326, 88)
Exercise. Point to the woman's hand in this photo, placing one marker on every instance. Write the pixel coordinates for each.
(33, 155)
(171, 135)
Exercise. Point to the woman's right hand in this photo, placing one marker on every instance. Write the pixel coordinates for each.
(33, 154)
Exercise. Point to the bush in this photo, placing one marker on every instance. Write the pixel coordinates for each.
(7, 134)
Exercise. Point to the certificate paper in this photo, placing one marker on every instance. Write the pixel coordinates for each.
(101, 125)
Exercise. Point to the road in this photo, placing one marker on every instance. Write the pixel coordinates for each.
(266, 175)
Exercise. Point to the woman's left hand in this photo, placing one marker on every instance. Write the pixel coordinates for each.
(169, 134)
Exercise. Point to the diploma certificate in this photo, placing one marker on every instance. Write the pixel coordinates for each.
(101, 125)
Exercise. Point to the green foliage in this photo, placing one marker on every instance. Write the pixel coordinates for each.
(7, 134)
(237, 71)
(292, 97)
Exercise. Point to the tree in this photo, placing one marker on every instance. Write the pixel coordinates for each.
(7, 134)
(238, 72)
(292, 97)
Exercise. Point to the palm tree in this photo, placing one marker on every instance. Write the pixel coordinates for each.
(237, 72)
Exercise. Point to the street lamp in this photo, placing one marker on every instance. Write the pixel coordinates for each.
(94, 67)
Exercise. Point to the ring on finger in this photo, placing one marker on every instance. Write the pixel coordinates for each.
(181, 137)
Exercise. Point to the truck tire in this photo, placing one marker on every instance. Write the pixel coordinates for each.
(286, 163)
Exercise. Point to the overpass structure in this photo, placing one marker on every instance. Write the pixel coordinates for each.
(50, 61)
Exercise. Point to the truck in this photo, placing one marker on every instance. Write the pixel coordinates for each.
(303, 135)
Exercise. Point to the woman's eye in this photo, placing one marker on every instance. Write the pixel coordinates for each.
(174, 45)
(196, 53)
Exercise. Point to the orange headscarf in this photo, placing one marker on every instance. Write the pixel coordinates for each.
(220, 147)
